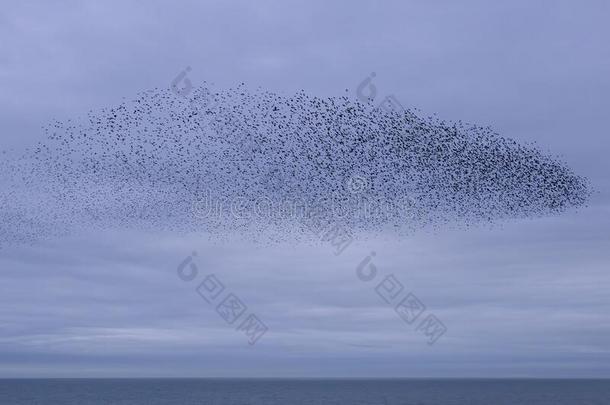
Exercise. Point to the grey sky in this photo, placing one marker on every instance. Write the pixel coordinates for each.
(528, 298)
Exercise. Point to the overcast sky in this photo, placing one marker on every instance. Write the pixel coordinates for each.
(524, 298)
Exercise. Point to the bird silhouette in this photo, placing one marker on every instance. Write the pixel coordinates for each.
(145, 162)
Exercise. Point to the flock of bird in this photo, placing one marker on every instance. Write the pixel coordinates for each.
(253, 163)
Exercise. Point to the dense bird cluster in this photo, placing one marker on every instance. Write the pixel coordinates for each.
(245, 162)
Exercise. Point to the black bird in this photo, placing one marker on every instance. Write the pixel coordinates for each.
(163, 161)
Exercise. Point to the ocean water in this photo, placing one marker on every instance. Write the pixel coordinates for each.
(310, 391)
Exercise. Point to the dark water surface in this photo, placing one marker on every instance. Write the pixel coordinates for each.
(305, 391)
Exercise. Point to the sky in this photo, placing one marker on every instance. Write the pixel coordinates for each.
(523, 298)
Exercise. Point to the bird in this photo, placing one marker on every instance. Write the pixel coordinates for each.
(256, 163)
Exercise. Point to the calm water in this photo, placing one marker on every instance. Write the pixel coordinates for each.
(296, 392)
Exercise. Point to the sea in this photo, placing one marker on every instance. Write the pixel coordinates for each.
(305, 391)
